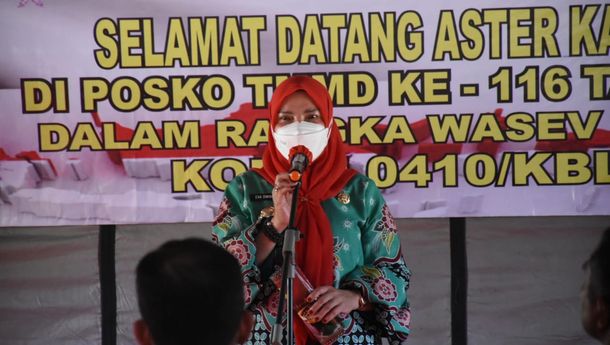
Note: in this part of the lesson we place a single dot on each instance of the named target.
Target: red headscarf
(324, 178)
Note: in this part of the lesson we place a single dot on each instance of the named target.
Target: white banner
(131, 112)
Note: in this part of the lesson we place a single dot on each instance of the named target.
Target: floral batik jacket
(367, 257)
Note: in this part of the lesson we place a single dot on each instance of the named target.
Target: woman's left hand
(332, 302)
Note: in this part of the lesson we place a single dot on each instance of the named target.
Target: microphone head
(299, 149)
(300, 156)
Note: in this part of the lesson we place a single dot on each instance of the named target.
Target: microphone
(299, 158)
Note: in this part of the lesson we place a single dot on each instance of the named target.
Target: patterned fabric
(367, 257)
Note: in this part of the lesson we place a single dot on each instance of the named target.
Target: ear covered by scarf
(323, 179)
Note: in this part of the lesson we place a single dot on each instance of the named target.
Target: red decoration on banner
(4, 156)
(248, 115)
(421, 130)
(34, 156)
(436, 152)
(489, 146)
(600, 138)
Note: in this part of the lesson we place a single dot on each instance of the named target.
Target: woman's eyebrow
(287, 112)
(312, 110)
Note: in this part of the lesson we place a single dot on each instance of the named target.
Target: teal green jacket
(367, 253)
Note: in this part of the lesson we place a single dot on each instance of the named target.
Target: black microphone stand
(291, 236)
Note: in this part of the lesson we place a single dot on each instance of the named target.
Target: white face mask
(311, 135)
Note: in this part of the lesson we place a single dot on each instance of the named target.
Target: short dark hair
(190, 292)
(599, 265)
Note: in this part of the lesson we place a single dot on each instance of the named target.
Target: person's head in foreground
(595, 292)
(190, 292)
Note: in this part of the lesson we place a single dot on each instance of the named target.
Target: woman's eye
(316, 118)
(285, 118)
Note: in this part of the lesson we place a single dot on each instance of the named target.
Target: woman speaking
(349, 249)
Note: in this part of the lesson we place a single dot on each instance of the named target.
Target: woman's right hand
(282, 199)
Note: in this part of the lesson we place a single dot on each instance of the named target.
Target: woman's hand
(332, 302)
(282, 199)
